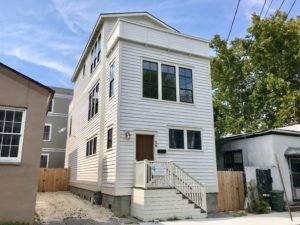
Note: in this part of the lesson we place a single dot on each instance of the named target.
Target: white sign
(158, 169)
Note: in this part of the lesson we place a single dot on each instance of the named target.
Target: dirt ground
(64, 207)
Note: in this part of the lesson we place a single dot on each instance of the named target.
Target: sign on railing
(158, 169)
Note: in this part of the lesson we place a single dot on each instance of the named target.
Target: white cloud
(39, 59)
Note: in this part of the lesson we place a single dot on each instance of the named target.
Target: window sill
(92, 118)
(90, 156)
(168, 102)
(10, 162)
(95, 68)
(184, 150)
(111, 98)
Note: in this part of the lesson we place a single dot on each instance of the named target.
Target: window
(70, 127)
(168, 77)
(93, 102)
(233, 160)
(95, 53)
(50, 109)
(186, 85)
(112, 80)
(44, 161)
(91, 146)
(176, 138)
(83, 70)
(194, 139)
(150, 80)
(109, 138)
(47, 132)
(11, 134)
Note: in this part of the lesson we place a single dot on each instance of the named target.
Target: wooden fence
(231, 194)
(51, 180)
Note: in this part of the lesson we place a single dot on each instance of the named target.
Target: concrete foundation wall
(212, 202)
(119, 205)
(92, 196)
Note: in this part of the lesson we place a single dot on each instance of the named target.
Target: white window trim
(50, 131)
(92, 139)
(114, 75)
(16, 159)
(176, 65)
(185, 129)
(52, 108)
(46, 154)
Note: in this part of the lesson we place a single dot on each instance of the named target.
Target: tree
(256, 79)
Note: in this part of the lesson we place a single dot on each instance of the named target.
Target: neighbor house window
(11, 134)
(186, 85)
(150, 80)
(91, 146)
(109, 138)
(50, 108)
(194, 139)
(168, 77)
(70, 127)
(112, 80)
(176, 138)
(233, 160)
(93, 102)
(44, 161)
(47, 132)
(95, 53)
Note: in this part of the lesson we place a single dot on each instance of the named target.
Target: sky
(44, 39)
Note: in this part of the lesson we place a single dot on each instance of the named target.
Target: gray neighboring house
(256, 151)
(55, 130)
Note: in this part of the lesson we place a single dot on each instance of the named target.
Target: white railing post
(145, 173)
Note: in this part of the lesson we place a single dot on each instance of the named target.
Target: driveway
(266, 219)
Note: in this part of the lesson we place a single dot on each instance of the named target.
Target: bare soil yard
(63, 206)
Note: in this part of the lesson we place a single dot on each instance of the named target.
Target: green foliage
(257, 204)
(256, 79)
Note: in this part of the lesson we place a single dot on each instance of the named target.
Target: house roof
(29, 79)
(288, 131)
(98, 24)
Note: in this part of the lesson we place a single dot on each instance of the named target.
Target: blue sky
(44, 39)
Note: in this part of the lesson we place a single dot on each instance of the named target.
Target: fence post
(145, 173)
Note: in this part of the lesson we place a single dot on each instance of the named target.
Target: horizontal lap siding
(154, 115)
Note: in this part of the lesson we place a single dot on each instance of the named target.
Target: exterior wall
(58, 119)
(141, 115)
(19, 181)
(260, 152)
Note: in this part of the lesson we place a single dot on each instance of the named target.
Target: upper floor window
(109, 138)
(83, 70)
(12, 123)
(91, 146)
(168, 77)
(93, 102)
(186, 85)
(150, 80)
(112, 80)
(51, 106)
(95, 53)
(47, 132)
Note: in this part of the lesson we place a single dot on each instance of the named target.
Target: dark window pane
(168, 83)
(18, 116)
(194, 139)
(87, 148)
(4, 151)
(150, 80)
(109, 138)
(186, 85)
(44, 159)
(6, 139)
(1, 126)
(2, 115)
(95, 146)
(295, 165)
(176, 139)
(17, 128)
(15, 140)
(9, 116)
(91, 147)
(8, 127)
(14, 151)
(46, 133)
(296, 180)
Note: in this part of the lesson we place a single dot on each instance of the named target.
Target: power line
(268, 8)
(262, 9)
(281, 4)
(291, 8)
(237, 7)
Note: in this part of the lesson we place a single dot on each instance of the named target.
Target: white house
(259, 151)
(141, 120)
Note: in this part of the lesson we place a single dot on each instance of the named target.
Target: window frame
(112, 74)
(91, 105)
(158, 77)
(162, 84)
(109, 140)
(22, 132)
(47, 155)
(95, 54)
(50, 131)
(185, 136)
(90, 146)
(176, 129)
(185, 89)
(52, 106)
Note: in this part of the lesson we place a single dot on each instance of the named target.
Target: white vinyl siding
(152, 115)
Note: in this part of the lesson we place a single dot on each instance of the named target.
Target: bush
(256, 204)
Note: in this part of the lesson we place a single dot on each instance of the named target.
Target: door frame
(291, 178)
(45, 154)
(146, 132)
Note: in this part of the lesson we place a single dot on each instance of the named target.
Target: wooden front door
(144, 147)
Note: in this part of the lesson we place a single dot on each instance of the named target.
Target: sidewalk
(265, 219)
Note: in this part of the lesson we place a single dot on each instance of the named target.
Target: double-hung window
(95, 53)
(186, 85)
(109, 138)
(91, 146)
(11, 134)
(185, 139)
(168, 77)
(150, 80)
(93, 102)
(112, 80)
(47, 132)
(51, 106)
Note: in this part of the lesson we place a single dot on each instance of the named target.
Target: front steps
(162, 204)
